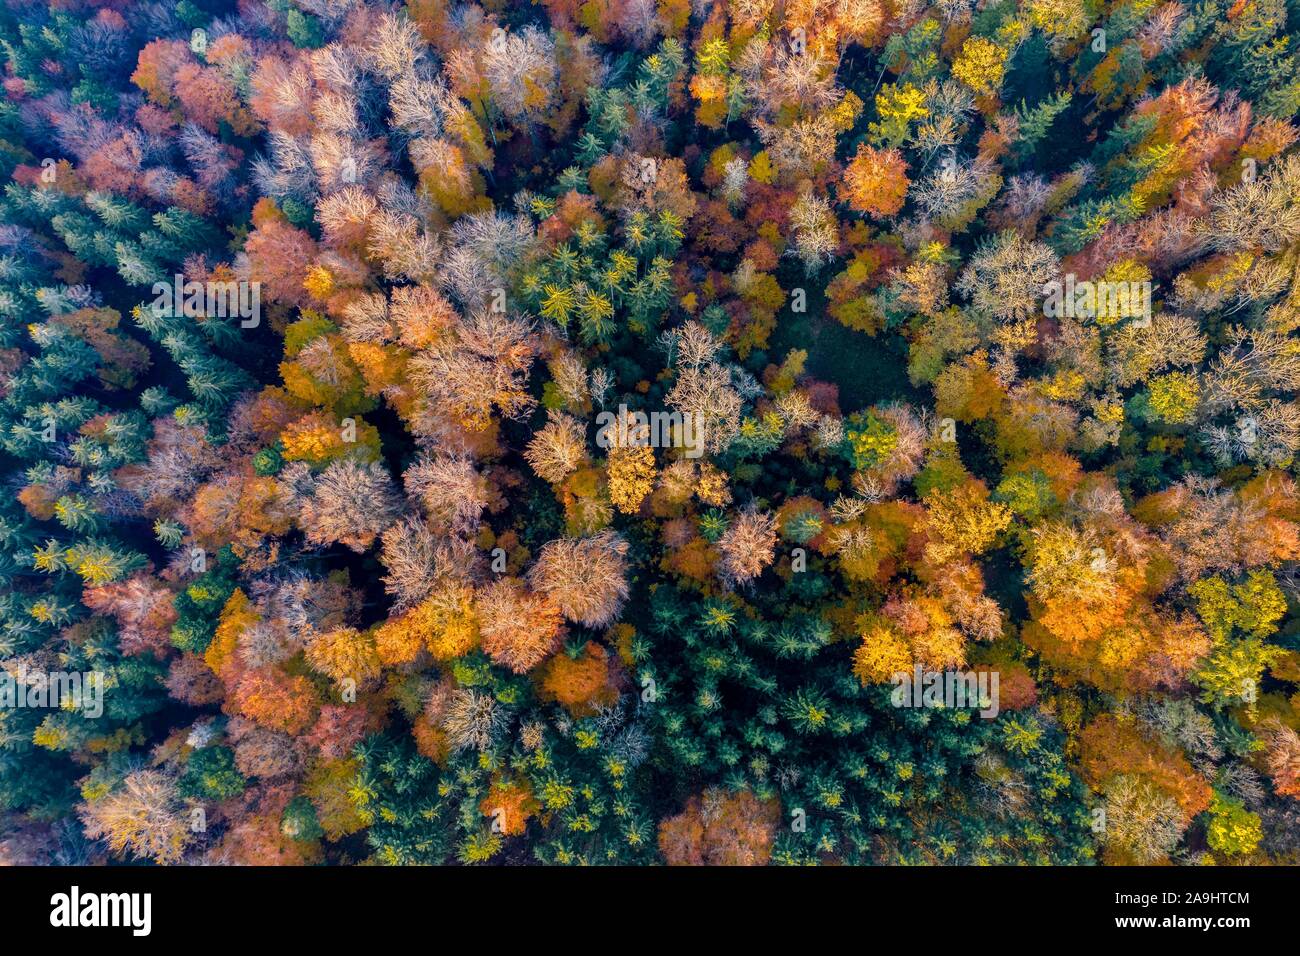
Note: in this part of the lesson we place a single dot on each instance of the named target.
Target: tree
(275, 700)
(981, 65)
(1283, 759)
(210, 774)
(747, 546)
(351, 503)
(520, 628)
(1109, 747)
(1007, 275)
(558, 448)
(1233, 830)
(631, 470)
(279, 256)
(521, 71)
(586, 578)
(720, 829)
(604, 657)
(1143, 824)
(144, 611)
(142, 816)
(875, 181)
(484, 366)
(473, 720)
(344, 654)
(963, 520)
(704, 391)
(415, 559)
(584, 684)
(1259, 215)
(452, 491)
(815, 231)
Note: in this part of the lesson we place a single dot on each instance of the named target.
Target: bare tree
(747, 547)
(1006, 276)
(352, 502)
(585, 577)
(557, 449)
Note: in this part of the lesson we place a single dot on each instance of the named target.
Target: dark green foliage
(210, 774)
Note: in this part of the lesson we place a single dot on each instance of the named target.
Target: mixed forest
(362, 585)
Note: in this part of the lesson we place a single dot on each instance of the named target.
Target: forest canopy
(706, 432)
